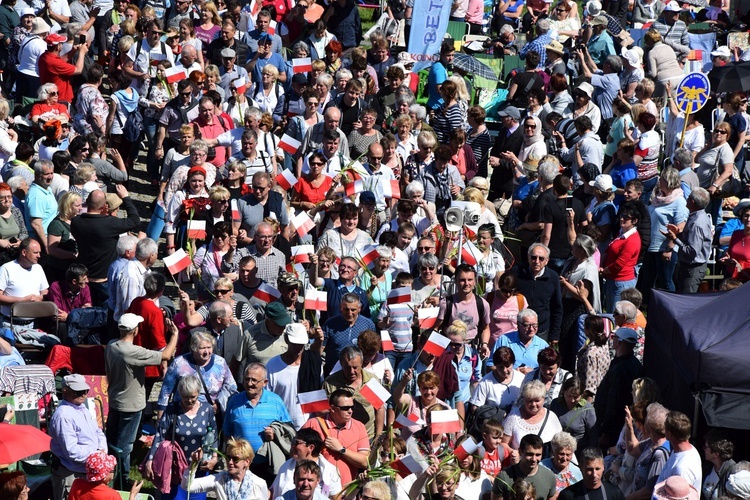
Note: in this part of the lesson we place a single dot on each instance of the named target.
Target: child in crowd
(494, 451)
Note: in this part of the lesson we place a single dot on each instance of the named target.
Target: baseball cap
(367, 197)
(75, 382)
(28, 12)
(276, 312)
(288, 279)
(300, 78)
(129, 321)
(603, 182)
(673, 7)
(227, 52)
(113, 201)
(296, 334)
(265, 38)
(600, 21)
(55, 38)
(627, 335)
(512, 112)
(722, 51)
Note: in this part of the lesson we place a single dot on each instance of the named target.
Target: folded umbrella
(473, 66)
(730, 78)
(21, 441)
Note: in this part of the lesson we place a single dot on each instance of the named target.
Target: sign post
(691, 95)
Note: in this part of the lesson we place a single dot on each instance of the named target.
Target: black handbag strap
(205, 387)
(541, 429)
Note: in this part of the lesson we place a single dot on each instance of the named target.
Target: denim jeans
(396, 357)
(612, 290)
(154, 165)
(122, 429)
(99, 294)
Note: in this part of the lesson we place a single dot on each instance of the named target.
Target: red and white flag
(289, 144)
(240, 84)
(392, 190)
(314, 401)
(196, 229)
(444, 422)
(316, 300)
(427, 317)
(286, 179)
(302, 224)
(371, 254)
(175, 74)
(407, 465)
(399, 295)
(301, 65)
(301, 253)
(235, 210)
(436, 344)
(385, 341)
(355, 187)
(409, 421)
(468, 447)
(266, 293)
(272, 27)
(470, 254)
(178, 261)
(374, 392)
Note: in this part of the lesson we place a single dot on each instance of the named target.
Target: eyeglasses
(345, 408)
(317, 163)
(626, 217)
(312, 103)
(529, 125)
(81, 393)
(260, 188)
(252, 381)
(222, 292)
(221, 236)
(84, 149)
(53, 92)
(234, 459)
(532, 326)
(537, 257)
(509, 292)
(324, 262)
(428, 268)
(298, 442)
(426, 249)
(222, 201)
(719, 131)
(456, 345)
(186, 94)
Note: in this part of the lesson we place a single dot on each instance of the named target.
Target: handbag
(169, 462)
(733, 185)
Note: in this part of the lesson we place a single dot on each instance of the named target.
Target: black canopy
(698, 346)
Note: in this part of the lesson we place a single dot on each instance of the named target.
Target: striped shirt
(446, 120)
(401, 317)
(339, 334)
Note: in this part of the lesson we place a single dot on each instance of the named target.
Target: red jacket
(622, 257)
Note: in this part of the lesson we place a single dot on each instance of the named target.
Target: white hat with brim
(296, 333)
(738, 484)
(129, 321)
(39, 27)
(673, 7)
(634, 56)
(603, 182)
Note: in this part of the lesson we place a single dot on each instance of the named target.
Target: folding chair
(33, 310)
(457, 30)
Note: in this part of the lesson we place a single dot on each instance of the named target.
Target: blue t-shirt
(438, 74)
(525, 356)
(621, 174)
(674, 213)
(275, 59)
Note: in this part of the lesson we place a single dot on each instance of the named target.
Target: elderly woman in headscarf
(533, 144)
(632, 72)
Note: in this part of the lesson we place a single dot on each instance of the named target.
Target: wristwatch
(342, 451)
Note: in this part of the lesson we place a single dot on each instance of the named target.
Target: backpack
(480, 312)
(133, 126)
(476, 420)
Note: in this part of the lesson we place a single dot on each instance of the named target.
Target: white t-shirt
(15, 281)
(491, 392)
(282, 380)
(474, 488)
(141, 60)
(31, 48)
(516, 427)
(61, 8)
(710, 485)
(686, 464)
(330, 480)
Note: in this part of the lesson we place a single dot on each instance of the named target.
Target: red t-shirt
(54, 69)
(151, 334)
(83, 490)
(48, 111)
(622, 256)
(492, 463)
(311, 194)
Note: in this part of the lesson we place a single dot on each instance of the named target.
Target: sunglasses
(345, 408)
(428, 268)
(234, 459)
(221, 292)
(509, 292)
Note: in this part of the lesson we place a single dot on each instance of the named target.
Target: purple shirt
(65, 300)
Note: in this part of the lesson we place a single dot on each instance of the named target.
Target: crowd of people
(340, 226)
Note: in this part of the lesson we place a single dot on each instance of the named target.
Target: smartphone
(81, 39)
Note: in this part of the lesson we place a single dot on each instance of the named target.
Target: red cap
(54, 38)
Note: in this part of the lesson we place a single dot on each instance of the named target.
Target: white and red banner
(468, 447)
(303, 224)
(286, 179)
(235, 211)
(301, 253)
(178, 261)
(355, 187)
(175, 74)
(391, 189)
(407, 465)
(272, 27)
(399, 295)
(316, 300)
(444, 422)
(240, 84)
(436, 344)
(314, 401)
(289, 144)
(385, 341)
(371, 255)
(427, 317)
(374, 392)
(301, 65)
(470, 254)
(410, 421)
(196, 229)
(266, 293)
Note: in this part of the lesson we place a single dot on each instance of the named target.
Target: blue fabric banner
(429, 23)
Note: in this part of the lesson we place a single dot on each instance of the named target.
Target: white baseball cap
(129, 321)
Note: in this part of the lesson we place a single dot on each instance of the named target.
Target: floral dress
(216, 374)
(88, 103)
(154, 93)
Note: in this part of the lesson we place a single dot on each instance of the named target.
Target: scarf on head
(659, 200)
(529, 140)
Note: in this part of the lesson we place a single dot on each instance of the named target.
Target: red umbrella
(21, 441)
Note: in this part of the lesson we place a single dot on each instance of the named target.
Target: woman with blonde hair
(474, 482)
(661, 61)
(235, 180)
(210, 23)
(62, 248)
(529, 416)
(464, 97)
(444, 483)
(269, 96)
(212, 81)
